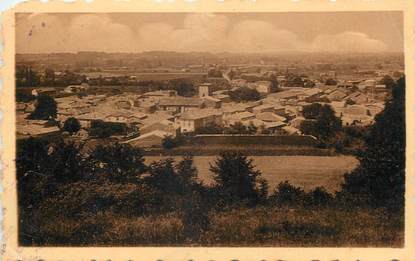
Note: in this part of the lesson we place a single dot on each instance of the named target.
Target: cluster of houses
(163, 113)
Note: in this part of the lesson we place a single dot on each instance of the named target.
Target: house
(160, 94)
(239, 117)
(164, 125)
(180, 104)
(204, 90)
(280, 110)
(45, 90)
(222, 97)
(297, 121)
(211, 102)
(35, 128)
(270, 117)
(76, 88)
(147, 106)
(190, 121)
(336, 95)
(263, 87)
(148, 140)
(263, 108)
(291, 130)
(238, 83)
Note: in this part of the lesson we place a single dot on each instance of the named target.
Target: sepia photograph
(210, 129)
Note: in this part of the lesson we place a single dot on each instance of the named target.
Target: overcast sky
(218, 32)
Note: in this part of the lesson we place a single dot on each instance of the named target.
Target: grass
(307, 172)
(260, 226)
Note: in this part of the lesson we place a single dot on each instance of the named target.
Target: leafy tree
(183, 87)
(187, 173)
(121, 162)
(31, 165)
(169, 142)
(331, 81)
(236, 178)
(294, 81)
(312, 111)
(240, 128)
(319, 197)
(71, 125)
(325, 125)
(244, 94)
(380, 178)
(66, 162)
(103, 129)
(45, 108)
(210, 128)
(287, 194)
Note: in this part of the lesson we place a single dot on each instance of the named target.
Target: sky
(339, 32)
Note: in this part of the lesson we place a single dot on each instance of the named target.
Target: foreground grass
(261, 226)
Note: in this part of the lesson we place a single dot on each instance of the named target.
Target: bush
(236, 178)
(287, 194)
(121, 162)
(45, 108)
(170, 142)
(103, 129)
(71, 125)
(244, 94)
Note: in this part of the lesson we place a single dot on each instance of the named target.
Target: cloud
(91, 32)
(259, 36)
(39, 33)
(347, 42)
(197, 32)
(86, 32)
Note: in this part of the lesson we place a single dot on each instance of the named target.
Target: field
(156, 76)
(305, 171)
(261, 226)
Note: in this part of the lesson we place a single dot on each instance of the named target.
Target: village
(146, 119)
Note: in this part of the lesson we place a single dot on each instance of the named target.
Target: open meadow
(307, 172)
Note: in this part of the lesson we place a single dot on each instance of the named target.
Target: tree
(294, 81)
(103, 129)
(274, 83)
(325, 124)
(287, 194)
(121, 162)
(71, 125)
(240, 128)
(244, 94)
(312, 111)
(183, 87)
(45, 108)
(236, 178)
(169, 142)
(210, 128)
(331, 81)
(388, 81)
(187, 173)
(380, 178)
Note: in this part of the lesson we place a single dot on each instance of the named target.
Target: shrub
(45, 108)
(71, 125)
(236, 178)
(287, 194)
(103, 129)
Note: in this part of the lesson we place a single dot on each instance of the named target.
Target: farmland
(307, 172)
